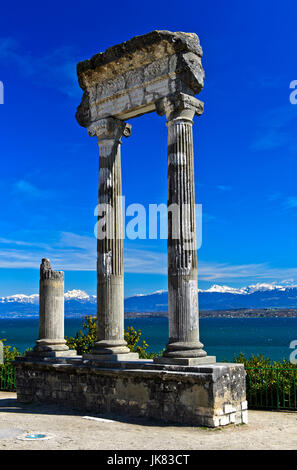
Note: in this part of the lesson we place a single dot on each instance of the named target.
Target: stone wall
(209, 395)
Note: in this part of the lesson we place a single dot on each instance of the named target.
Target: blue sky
(245, 143)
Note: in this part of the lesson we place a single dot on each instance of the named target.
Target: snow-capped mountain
(221, 297)
(20, 298)
(224, 289)
(217, 297)
(78, 295)
(77, 302)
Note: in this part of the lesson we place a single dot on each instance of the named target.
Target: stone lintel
(139, 50)
(127, 80)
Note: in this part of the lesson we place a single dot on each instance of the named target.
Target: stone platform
(206, 395)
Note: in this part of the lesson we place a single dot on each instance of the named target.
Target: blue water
(222, 337)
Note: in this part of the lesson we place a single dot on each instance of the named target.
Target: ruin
(160, 71)
(51, 341)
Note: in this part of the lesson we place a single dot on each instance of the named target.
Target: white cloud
(223, 187)
(145, 261)
(71, 251)
(273, 129)
(26, 188)
(57, 68)
(284, 202)
(254, 272)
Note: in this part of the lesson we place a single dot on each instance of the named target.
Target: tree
(85, 339)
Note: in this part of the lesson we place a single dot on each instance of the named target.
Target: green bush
(9, 352)
(7, 370)
(85, 339)
(270, 384)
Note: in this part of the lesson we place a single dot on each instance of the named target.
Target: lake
(222, 337)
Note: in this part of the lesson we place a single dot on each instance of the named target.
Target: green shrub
(85, 339)
(270, 384)
(9, 352)
(7, 370)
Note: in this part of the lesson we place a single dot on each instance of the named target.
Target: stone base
(206, 395)
(111, 357)
(185, 361)
(44, 354)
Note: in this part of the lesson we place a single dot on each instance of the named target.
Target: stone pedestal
(110, 345)
(208, 395)
(51, 341)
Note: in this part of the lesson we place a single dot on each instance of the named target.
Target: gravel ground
(70, 431)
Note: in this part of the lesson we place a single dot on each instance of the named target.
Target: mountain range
(217, 297)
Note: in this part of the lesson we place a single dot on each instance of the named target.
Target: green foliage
(270, 384)
(9, 352)
(133, 337)
(254, 361)
(7, 377)
(84, 340)
(7, 370)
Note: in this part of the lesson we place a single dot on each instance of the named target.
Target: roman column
(51, 341)
(184, 346)
(110, 278)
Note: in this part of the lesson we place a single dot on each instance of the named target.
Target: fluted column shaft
(182, 252)
(51, 307)
(51, 341)
(182, 255)
(110, 278)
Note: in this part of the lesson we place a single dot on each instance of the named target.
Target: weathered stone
(51, 341)
(110, 275)
(184, 361)
(125, 355)
(184, 346)
(128, 79)
(199, 396)
(244, 405)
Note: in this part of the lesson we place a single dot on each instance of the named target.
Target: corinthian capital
(109, 128)
(179, 106)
